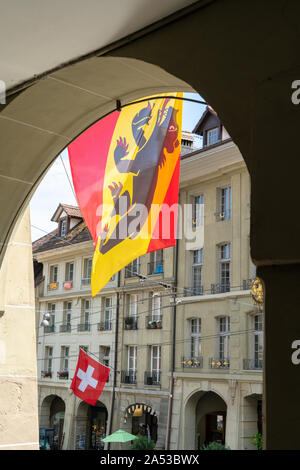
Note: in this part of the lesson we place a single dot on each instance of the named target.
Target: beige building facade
(178, 327)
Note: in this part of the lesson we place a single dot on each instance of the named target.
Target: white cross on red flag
(89, 378)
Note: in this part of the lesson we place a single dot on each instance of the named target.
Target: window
(105, 355)
(48, 358)
(69, 274)
(195, 331)
(155, 363)
(53, 273)
(197, 272)
(156, 262)
(87, 269)
(85, 315)
(224, 267)
(258, 341)
(133, 299)
(156, 307)
(224, 203)
(51, 310)
(63, 228)
(107, 318)
(67, 316)
(65, 358)
(132, 268)
(224, 335)
(132, 361)
(198, 210)
(212, 136)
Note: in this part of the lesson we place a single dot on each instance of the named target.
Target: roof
(71, 211)
(208, 110)
(78, 234)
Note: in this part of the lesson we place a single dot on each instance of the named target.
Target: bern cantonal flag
(125, 170)
(89, 378)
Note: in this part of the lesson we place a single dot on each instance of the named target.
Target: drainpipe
(173, 354)
(116, 360)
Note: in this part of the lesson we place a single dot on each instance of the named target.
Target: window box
(63, 374)
(46, 373)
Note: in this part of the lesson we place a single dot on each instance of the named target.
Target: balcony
(131, 272)
(128, 377)
(223, 215)
(252, 364)
(49, 329)
(220, 288)
(105, 325)
(218, 363)
(195, 290)
(63, 374)
(130, 323)
(154, 322)
(85, 282)
(155, 267)
(152, 377)
(83, 327)
(52, 286)
(66, 328)
(192, 362)
(46, 374)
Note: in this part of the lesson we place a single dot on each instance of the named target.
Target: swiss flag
(89, 378)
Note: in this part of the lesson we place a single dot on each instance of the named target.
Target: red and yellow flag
(125, 171)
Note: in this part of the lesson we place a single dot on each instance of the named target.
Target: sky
(55, 187)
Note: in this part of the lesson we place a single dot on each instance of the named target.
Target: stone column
(281, 412)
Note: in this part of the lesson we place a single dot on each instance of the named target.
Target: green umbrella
(119, 436)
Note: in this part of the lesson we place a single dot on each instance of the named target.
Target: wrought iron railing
(83, 327)
(195, 290)
(192, 362)
(66, 328)
(46, 374)
(154, 322)
(53, 286)
(128, 377)
(105, 325)
(152, 377)
(85, 281)
(219, 363)
(252, 364)
(130, 323)
(220, 288)
(49, 329)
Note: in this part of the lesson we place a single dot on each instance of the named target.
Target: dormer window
(63, 228)
(212, 136)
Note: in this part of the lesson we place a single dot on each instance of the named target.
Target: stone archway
(52, 416)
(204, 420)
(90, 426)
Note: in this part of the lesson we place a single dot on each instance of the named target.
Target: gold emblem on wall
(257, 291)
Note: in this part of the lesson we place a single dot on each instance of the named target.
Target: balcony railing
(130, 323)
(219, 363)
(195, 290)
(155, 267)
(247, 284)
(192, 362)
(131, 271)
(85, 281)
(252, 364)
(63, 374)
(220, 288)
(49, 329)
(46, 374)
(105, 325)
(53, 286)
(223, 215)
(152, 377)
(66, 328)
(83, 327)
(68, 285)
(128, 377)
(154, 322)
